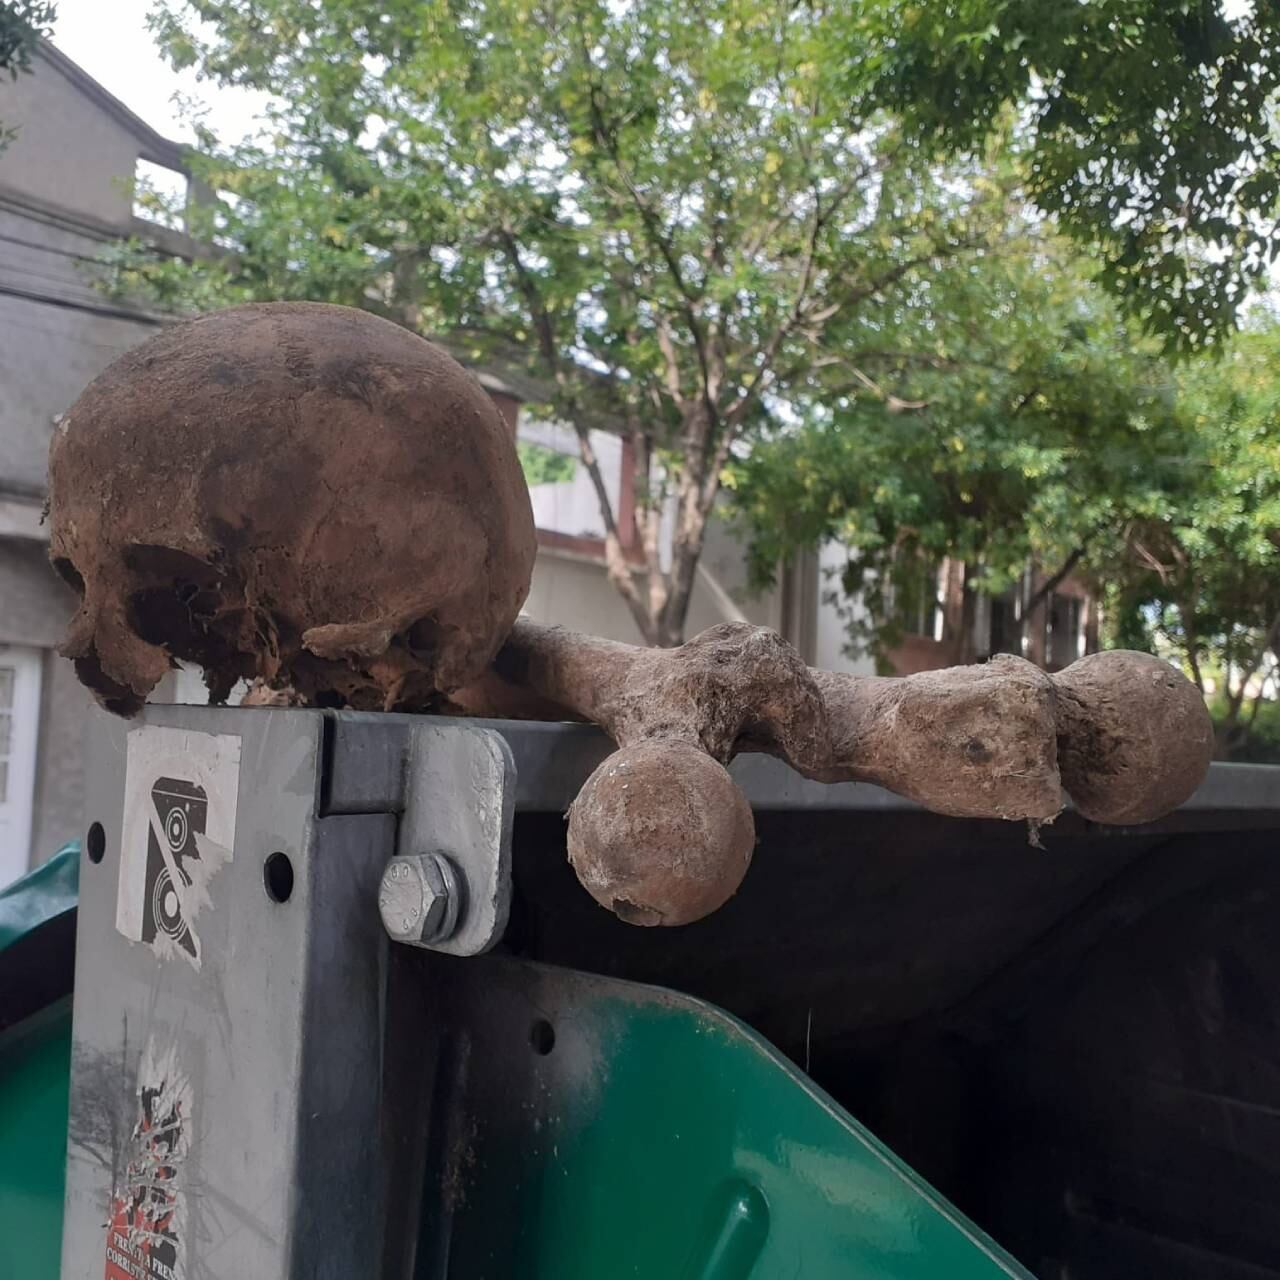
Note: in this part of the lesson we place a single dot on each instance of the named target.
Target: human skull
(295, 492)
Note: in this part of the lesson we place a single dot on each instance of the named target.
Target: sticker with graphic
(179, 827)
(148, 1213)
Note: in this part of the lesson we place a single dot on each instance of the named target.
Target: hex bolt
(419, 899)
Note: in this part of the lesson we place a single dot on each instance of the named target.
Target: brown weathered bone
(660, 833)
(1134, 736)
(660, 840)
(296, 492)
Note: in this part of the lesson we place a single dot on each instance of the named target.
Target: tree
(661, 211)
(1050, 434)
(22, 23)
(1028, 424)
(1199, 578)
(1150, 129)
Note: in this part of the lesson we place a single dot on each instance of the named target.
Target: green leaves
(1039, 425)
(1148, 130)
(22, 23)
(544, 466)
(649, 206)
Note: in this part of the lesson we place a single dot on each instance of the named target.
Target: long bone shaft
(661, 834)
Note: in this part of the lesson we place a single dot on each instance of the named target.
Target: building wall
(573, 590)
(68, 150)
(833, 616)
(1082, 640)
(64, 194)
(49, 351)
(34, 608)
(570, 585)
(721, 592)
(570, 507)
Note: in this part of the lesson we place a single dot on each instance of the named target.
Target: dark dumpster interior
(1079, 1046)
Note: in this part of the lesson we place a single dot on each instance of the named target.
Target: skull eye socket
(174, 595)
(424, 638)
(168, 565)
(166, 584)
(185, 605)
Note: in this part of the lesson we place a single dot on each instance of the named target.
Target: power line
(69, 304)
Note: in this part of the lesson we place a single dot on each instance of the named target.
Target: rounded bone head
(294, 492)
(660, 833)
(1134, 736)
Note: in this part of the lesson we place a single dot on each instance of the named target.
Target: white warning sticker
(179, 827)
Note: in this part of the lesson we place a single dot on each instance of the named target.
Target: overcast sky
(110, 40)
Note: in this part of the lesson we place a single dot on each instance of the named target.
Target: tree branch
(895, 404)
(666, 344)
(1052, 583)
(650, 523)
(616, 564)
(541, 317)
(768, 353)
(648, 218)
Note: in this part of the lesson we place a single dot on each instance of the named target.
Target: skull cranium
(296, 492)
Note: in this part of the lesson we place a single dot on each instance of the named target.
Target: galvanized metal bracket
(459, 801)
(452, 784)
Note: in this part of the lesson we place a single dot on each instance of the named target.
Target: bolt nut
(419, 899)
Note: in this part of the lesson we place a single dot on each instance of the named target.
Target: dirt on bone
(1134, 736)
(294, 493)
(729, 682)
(660, 834)
(1126, 735)
(975, 741)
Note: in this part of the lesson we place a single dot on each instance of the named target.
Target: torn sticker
(179, 829)
(148, 1213)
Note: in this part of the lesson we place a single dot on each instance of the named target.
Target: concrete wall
(721, 592)
(49, 350)
(574, 591)
(68, 150)
(571, 507)
(831, 625)
(34, 608)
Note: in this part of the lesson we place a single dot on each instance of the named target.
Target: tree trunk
(1228, 736)
(617, 564)
(965, 649)
(695, 496)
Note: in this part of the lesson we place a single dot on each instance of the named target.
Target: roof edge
(155, 147)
